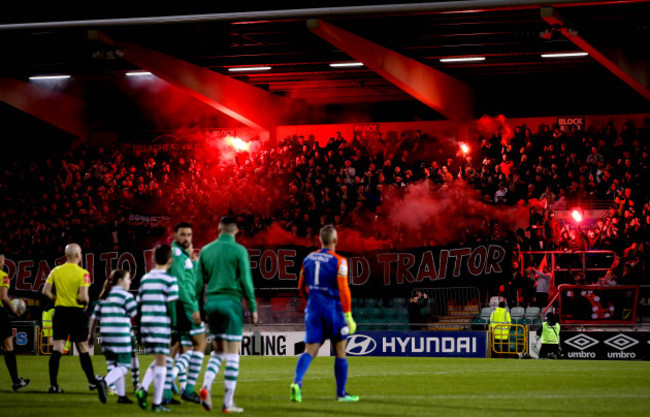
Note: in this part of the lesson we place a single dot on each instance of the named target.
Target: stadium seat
(375, 311)
(373, 302)
(516, 336)
(478, 324)
(369, 313)
(523, 322)
(486, 312)
(386, 320)
(517, 313)
(399, 302)
(396, 312)
(532, 313)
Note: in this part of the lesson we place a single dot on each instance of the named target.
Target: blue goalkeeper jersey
(324, 277)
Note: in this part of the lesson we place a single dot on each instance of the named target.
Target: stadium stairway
(459, 317)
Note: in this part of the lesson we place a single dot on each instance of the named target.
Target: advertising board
(25, 336)
(277, 344)
(424, 344)
(606, 345)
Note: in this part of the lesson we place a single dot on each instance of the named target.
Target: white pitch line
(509, 396)
(350, 375)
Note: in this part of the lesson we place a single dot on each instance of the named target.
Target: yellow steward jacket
(500, 316)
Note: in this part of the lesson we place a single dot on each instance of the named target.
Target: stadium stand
(107, 198)
(532, 313)
(517, 313)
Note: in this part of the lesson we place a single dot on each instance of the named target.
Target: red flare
(576, 216)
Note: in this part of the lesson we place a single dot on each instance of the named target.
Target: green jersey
(223, 265)
(183, 269)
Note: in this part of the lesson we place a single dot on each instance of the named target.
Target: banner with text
(277, 344)
(565, 122)
(371, 273)
(426, 344)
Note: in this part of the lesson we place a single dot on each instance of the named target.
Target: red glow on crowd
(464, 148)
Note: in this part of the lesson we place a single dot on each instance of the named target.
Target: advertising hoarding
(422, 344)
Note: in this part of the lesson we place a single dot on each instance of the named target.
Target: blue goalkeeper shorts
(325, 322)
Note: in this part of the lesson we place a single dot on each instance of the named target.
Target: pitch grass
(387, 386)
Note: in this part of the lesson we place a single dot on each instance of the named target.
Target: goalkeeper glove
(350, 322)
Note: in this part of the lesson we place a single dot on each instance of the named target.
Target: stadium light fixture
(565, 55)
(346, 64)
(464, 59)
(138, 74)
(49, 77)
(246, 69)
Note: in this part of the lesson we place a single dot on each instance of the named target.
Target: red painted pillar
(250, 105)
(65, 112)
(448, 96)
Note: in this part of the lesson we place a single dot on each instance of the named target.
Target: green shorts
(186, 324)
(195, 329)
(118, 359)
(225, 318)
(186, 340)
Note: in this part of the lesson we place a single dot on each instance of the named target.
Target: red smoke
(422, 214)
(490, 126)
(276, 235)
(169, 107)
(349, 240)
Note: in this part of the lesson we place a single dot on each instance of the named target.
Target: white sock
(109, 368)
(182, 361)
(120, 385)
(196, 363)
(116, 373)
(212, 370)
(180, 369)
(148, 377)
(159, 384)
(230, 375)
(168, 375)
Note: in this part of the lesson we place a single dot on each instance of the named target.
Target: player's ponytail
(111, 281)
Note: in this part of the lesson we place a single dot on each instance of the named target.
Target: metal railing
(441, 298)
(559, 259)
(515, 342)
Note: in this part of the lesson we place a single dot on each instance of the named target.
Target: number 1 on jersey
(316, 272)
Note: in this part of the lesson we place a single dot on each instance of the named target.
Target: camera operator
(416, 304)
(550, 338)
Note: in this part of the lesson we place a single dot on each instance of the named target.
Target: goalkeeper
(324, 279)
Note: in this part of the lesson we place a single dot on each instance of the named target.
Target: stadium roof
(299, 44)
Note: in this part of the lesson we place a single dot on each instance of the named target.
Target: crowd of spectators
(111, 198)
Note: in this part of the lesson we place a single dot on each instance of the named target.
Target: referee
(67, 286)
(6, 334)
